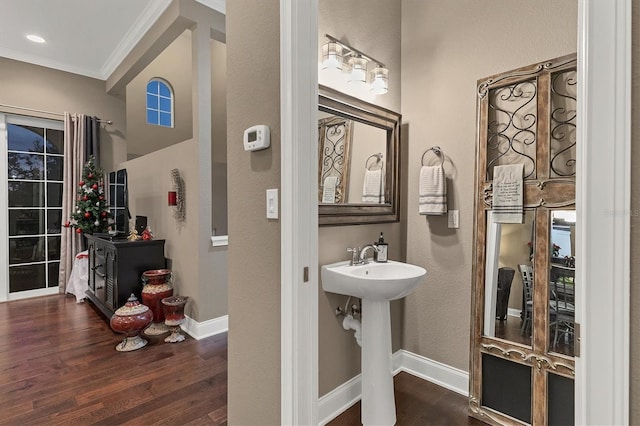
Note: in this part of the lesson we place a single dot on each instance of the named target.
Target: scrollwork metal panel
(334, 134)
(511, 129)
(563, 124)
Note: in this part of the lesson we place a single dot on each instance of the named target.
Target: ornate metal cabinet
(522, 368)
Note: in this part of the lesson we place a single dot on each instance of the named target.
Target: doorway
(32, 174)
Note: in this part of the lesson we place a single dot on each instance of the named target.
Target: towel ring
(378, 159)
(437, 151)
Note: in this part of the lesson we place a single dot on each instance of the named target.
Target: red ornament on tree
(67, 224)
(103, 214)
(79, 231)
(81, 183)
(100, 198)
(85, 198)
(94, 186)
(87, 215)
(90, 175)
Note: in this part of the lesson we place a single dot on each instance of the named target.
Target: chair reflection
(527, 312)
(562, 305)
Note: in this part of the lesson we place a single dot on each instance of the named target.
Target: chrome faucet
(359, 256)
(363, 253)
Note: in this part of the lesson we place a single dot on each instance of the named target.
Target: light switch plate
(453, 217)
(272, 203)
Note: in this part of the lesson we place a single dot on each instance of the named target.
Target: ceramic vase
(130, 320)
(157, 287)
(174, 316)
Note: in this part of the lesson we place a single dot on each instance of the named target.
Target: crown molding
(146, 19)
(48, 63)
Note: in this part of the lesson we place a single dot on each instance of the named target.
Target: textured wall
(635, 219)
(372, 26)
(446, 47)
(253, 84)
(149, 179)
(174, 66)
(47, 89)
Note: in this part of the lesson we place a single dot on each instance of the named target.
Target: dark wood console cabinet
(116, 267)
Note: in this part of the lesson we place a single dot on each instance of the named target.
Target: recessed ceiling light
(35, 38)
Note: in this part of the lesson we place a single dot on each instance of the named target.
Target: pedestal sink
(376, 284)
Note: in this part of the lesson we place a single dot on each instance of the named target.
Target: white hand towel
(373, 187)
(432, 191)
(507, 193)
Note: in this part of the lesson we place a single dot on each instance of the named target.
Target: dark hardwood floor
(59, 366)
(418, 402)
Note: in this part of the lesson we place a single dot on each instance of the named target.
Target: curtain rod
(47, 112)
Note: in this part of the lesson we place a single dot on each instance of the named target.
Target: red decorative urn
(174, 316)
(156, 288)
(130, 319)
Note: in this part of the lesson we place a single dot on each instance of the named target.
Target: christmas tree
(91, 213)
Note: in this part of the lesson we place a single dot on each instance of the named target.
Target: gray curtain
(75, 154)
(92, 138)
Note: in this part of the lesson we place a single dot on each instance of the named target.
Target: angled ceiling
(84, 37)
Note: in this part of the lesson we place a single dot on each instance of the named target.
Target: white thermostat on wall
(256, 138)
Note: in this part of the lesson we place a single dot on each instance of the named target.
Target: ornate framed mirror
(358, 162)
(523, 335)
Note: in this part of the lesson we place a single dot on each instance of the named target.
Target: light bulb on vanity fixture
(357, 71)
(337, 54)
(379, 80)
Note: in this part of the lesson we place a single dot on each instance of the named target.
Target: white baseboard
(344, 396)
(200, 330)
(435, 372)
(339, 400)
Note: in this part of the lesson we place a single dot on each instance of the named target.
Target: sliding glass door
(31, 189)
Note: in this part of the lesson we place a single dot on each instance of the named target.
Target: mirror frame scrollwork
(342, 105)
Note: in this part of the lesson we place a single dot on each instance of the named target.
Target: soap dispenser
(381, 254)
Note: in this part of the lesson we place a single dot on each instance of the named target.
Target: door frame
(7, 118)
(603, 211)
(602, 204)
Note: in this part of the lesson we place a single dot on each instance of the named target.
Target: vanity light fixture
(334, 55)
(357, 70)
(379, 80)
(35, 38)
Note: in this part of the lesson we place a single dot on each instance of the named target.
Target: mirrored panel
(358, 147)
(509, 279)
(562, 311)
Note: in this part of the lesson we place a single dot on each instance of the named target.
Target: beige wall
(372, 26)
(149, 179)
(174, 66)
(33, 86)
(446, 47)
(219, 137)
(635, 219)
(253, 82)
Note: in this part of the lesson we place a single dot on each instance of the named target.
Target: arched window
(159, 103)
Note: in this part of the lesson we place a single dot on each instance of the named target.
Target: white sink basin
(375, 281)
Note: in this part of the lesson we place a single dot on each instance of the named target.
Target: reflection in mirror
(562, 310)
(118, 200)
(358, 170)
(351, 161)
(509, 279)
